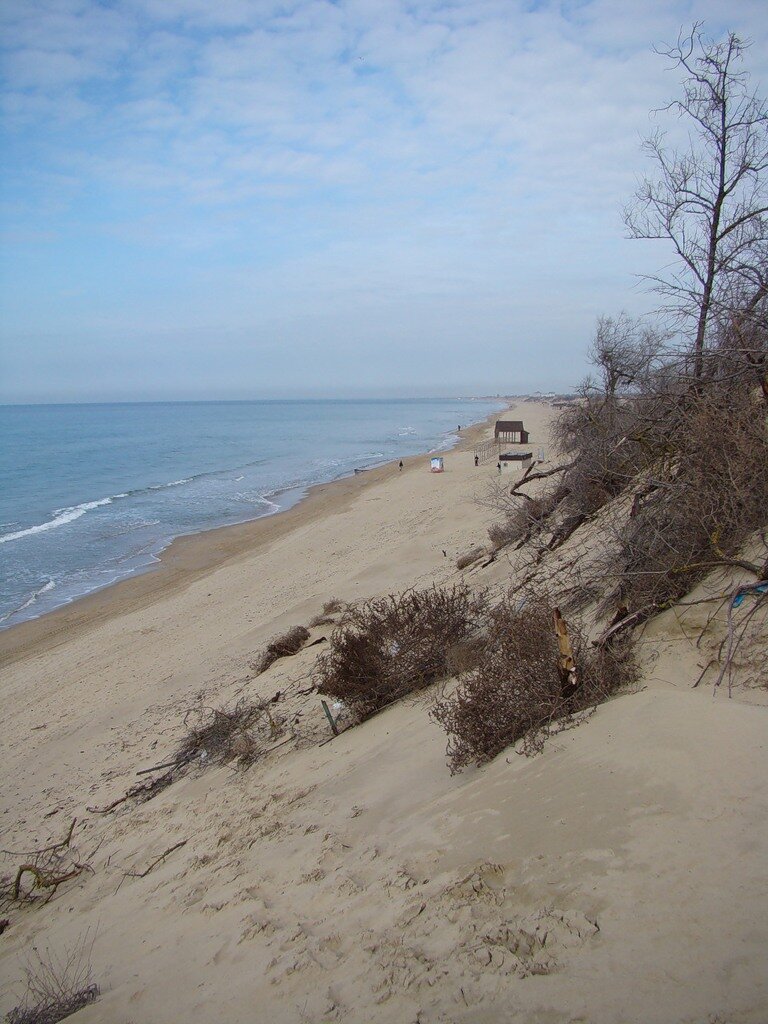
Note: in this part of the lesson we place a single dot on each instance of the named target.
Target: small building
(510, 432)
(436, 465)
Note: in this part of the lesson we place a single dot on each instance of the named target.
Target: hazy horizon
(298, 397)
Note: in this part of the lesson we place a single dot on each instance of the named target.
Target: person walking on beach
(498, 466)
(477, 461)
(401, 465)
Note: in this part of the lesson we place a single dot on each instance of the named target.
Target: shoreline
(358, 879)
(190, 557)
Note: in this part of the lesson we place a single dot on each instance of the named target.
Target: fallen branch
(176, 763)
(146, 790)
(628, 622)
(731, 563)
(528, 477)
(43, 879)
(145, 872)
(62, 844)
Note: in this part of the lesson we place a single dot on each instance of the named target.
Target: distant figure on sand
(498, 466)
(477, 460)
(401, 465)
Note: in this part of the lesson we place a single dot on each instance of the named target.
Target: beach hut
(510, 432)
(436, 464)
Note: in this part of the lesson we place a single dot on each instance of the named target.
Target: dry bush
(389, 647)
(515, 692)
(223, 736)
(282, 647)
(57, 985)
(469, 557)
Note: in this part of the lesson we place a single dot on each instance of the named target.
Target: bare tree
(624, 351)
(710, 200)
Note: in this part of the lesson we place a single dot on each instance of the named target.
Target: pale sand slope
(619, 876)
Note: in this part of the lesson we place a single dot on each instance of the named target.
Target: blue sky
(253, 198)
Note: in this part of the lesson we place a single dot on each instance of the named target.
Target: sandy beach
(619, 876)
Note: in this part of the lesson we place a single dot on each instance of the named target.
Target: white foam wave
(29, 600)
(172, 483)
(62, 516)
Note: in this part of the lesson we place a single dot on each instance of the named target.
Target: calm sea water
(90, 494)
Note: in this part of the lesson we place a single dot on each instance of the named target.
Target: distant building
(510, 432)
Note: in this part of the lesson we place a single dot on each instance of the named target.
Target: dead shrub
(221, 736)
(57, 985)
(515, 692)
(469, 557)
(391, 646)
(282, 647)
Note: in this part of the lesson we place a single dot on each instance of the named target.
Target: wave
(161, 487)
(29, 600)
(259, 499)
(62, 516)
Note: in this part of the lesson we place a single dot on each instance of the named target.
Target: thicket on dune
(676, 467)
(516, 690)
(388, 647)
(674, 422)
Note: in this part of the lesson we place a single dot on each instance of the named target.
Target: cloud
(374, 161)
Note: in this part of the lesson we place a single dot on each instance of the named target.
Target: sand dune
(618, 876)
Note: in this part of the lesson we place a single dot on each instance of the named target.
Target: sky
(252, 198)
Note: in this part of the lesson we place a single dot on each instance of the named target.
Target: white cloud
(409, 155)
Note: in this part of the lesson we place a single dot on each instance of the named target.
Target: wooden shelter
(510, 432)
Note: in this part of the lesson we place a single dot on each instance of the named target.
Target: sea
(91, 494)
